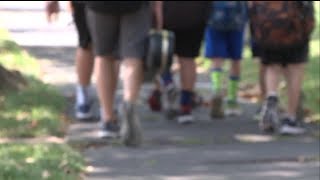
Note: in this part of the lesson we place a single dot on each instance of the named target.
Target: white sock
(82, 94)
(273, 94)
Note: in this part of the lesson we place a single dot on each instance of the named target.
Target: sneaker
(258, 114)
(197, 100)
(217, 107)
(84, 111)
(233, 108)
(84, 104)
(109, 129)
(185, 116)
(169, 100)
(131, 131)
(270, 116)
(290, 127)
(154, 101)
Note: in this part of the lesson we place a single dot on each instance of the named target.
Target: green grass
(41, 161)
(35, 111)
(311, 84)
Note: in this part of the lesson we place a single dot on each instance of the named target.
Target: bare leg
(273, 73)
(235, 68)
(132, 79)
(187, 73)
(106, 81)
(84, 65)
(262, 81)
(294, 79)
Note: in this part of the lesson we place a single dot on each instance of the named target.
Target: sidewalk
(229, 149)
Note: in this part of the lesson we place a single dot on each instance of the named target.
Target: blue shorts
(222, 44)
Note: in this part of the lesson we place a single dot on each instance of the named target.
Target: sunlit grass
(36, 111)
(41, 161)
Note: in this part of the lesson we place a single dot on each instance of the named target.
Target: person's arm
(158, 14)
(70, 7)
(52, 10)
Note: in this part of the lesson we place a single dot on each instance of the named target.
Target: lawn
(36, 111)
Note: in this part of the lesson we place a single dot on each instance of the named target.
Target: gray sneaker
(131, 131)
(269, 121)
(169, 100)
(217, 107)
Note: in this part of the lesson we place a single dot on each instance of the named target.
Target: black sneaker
(109, 129)
(290, 127)
(269, 115)
(84, 111)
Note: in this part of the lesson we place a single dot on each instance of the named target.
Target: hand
(52, 10)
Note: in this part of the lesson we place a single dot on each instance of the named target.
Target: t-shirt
(185, 14)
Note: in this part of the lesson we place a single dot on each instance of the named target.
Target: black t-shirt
(185, 14)
(115, 7)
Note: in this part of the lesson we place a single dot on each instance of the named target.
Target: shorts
(188, 42)
(293, 55)
(224, 44)
(79, 18)
(120, 36)
(255, 49)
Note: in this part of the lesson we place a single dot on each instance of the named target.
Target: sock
(186, 97)
(166, 77)
(272, 94)
(186, 101)
(82, 95)
(233, 88)
(216, 80)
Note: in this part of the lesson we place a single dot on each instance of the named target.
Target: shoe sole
(107, 135)
(287, 130)
(184, 120)
(84, 116)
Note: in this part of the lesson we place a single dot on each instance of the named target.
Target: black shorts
(79, 18)
(255, 49)
(294, 55)
(188, 42)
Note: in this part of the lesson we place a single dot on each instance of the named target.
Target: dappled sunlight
(279, 174)
(254, 138)
(91, 169)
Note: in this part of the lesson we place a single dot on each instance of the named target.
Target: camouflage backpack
(281, 24)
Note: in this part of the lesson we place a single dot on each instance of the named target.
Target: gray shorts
(120, 36)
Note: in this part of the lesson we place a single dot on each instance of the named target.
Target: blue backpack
(228, 15)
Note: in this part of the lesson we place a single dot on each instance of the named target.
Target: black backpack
(115, 7)
(159, 53)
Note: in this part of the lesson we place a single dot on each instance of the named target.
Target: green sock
(216, 79)
(233, 88)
